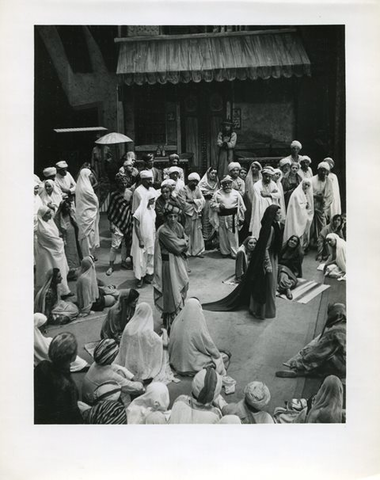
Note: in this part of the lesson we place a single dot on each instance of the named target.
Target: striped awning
(194, 58)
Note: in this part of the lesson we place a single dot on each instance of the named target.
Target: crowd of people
(265, 218)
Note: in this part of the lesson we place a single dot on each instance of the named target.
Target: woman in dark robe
(290, 266)
(290, 182)
(258, 287)
(119, 315)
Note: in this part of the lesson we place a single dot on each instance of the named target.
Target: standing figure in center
(266, 193)
(323, 197)
(226, 143)
(228, 214)
(195, 203)
(171, 280)
(237, 183)
(209, 184)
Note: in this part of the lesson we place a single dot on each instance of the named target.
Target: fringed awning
(192, 59)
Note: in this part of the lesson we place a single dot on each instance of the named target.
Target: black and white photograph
(203, 227)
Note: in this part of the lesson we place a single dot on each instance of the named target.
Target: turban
(226, 179)
(39, 319)
(258, 165)
(61, 164)
(146, 174)
(106, 351)
(148, 157)
(194, 176)
(106, 413)
(325, 165)
(285, 161)
(306, 159)
(168, 183)
(268, 170)
(63, 348)
(128, 162)
(232, 165)
(174, 156)
(107, 391)
(257, 395)
(49, 171)
(330, 161)
(206, 386)
(296, 143)
(174, 170)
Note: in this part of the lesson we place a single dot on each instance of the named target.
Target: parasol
(113, 138)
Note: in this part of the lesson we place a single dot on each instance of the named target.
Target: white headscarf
(194, 176)
(205, 185)
(155, 399)
(87, 284)
(48, 235)
(87, 205)
(250, 181)
(41, 343)
(55, 197)
(298, 217)
(340, 259)
(141, 349)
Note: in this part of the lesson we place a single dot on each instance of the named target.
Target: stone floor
(258, 347)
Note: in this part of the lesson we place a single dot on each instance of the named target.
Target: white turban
(296, 143)
(128, 162)
(325, 165)
(174, 170)
(330, 161)
(146, 174)
(226, 179)
(269, 170)
(285, 161)
(61, 164)
(194, 176)
(49, 171)
(233, 165)
(306, 159)
(168, 183)
(257, 395)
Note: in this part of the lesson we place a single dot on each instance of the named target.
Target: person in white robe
(194, 204)
(87, 213)
(143, 239)
(253, 176)
(173, 162)
(323, 197)
(336, 206)
(227, 207)
(335, 267)
(295, 148)
(143, 190)
(155, 399)
(64, 179)
(266, 193)
(300, 213)
(50, 250)
(305, 170)
(50, 195)
(174, 173)
(277, 177)
(42, 343)
(237, 183)
(37, 204)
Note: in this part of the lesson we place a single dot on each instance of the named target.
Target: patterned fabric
(106, 413)
(106, 351)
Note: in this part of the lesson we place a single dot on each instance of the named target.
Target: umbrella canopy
(113, 138)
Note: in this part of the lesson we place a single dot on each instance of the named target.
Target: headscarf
(87, 284)
(194, 176)
(156, 398)
(55, 197)
(292, 257)
(230, 419)
(190, 341)
(41, 343)
(119, 314)
(330, 161)
(40, 299)
(280, 188)
(325, 165)
(257, 395)
(146, 174)
(205, 184)
(206, 386)
(87, 204)
(328, 402)
(107, 412)
(48, 235)
(336, 313)
(141, 349)
(62, 164)
(250, 181)
(296, 143)
(233, 165)
(340, 251)
(106, 351)
(298, 217)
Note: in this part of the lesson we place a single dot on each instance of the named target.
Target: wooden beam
(203, 35)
